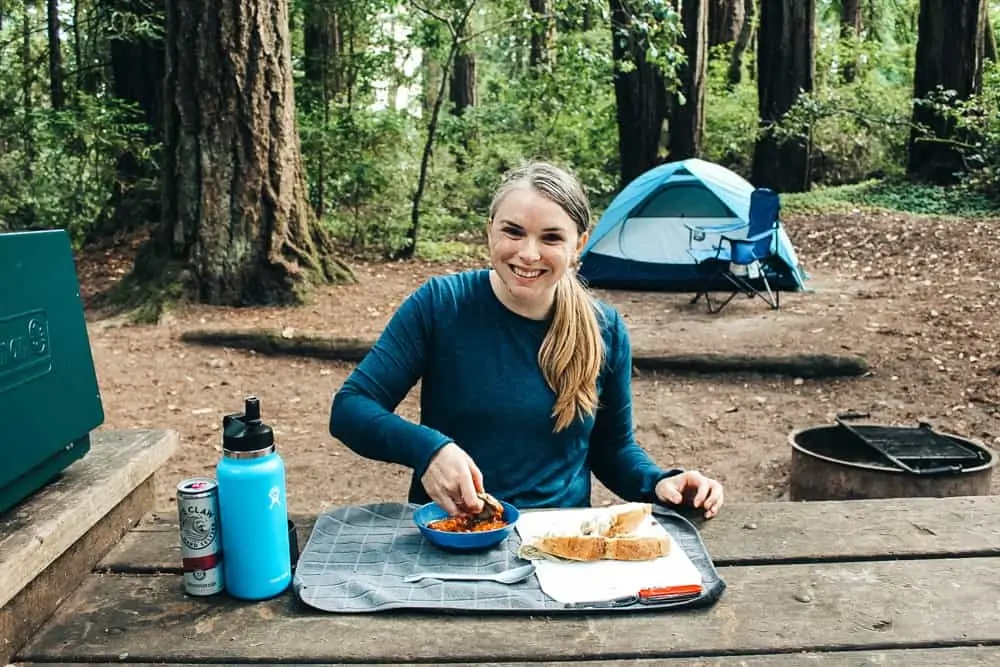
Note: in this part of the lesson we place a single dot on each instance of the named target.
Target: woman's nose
(529, 251)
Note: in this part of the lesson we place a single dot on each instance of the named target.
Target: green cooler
(49, 399)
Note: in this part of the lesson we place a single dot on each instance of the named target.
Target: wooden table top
(912, 582)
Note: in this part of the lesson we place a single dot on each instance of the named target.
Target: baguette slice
(617, 520)
(637, 548)
(595, 547)
(572, 547)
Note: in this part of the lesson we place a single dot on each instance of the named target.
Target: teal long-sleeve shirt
(482, 388)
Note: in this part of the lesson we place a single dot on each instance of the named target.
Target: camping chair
(743, 263)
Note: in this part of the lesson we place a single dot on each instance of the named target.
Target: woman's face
(533, 243)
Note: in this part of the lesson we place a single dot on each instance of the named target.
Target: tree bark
(543, 36)
(234, 207)
(137, 71)
(687, 122)
(640, 97)
(735, 73)
(725, 21)
(850, 29)
(56, 94)
(786, 60)
(950, 40)
(463, 80)
(989, 40)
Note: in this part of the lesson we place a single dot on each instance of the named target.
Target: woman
(525, 378)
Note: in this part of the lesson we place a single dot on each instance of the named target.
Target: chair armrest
(715, 229)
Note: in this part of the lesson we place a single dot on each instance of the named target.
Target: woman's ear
(582, 243)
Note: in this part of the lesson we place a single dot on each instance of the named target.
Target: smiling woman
(525, 377)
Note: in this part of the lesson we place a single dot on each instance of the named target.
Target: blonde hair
(572, 351)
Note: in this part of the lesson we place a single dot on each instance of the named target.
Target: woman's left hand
(694, 488)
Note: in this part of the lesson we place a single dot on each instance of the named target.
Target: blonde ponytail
(572, 353)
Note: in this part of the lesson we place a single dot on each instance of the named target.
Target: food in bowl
(485, 537)
(466, 524)
(491, 517)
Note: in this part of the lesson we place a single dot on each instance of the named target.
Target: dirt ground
(916, 297)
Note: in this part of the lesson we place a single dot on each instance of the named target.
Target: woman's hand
(452, 480)
(693, 488)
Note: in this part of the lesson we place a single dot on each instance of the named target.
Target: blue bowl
(463, 542)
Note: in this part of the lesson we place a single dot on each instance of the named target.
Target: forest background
(407, 111)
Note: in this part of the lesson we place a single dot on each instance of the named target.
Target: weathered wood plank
(37, 532)
(880, 605)
(21, 617)
(977, 656)
(745, 533)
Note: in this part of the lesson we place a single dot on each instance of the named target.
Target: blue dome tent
(642, 240)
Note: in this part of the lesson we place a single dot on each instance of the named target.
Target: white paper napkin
(571, 582)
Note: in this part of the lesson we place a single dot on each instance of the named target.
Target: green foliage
(731, 121)
(64, 174)
(976, 130)
(892, 195)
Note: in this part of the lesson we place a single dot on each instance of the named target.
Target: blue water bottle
(254, 515)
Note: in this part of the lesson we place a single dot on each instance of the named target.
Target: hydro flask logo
(25, 350)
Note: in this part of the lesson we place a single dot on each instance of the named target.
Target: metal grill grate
(919, 450)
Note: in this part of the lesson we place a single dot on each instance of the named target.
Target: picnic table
(909, 582)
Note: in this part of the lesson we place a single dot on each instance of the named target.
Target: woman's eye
(553, 238)
(513, 231)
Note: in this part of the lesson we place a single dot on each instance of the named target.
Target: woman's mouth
(526, 274)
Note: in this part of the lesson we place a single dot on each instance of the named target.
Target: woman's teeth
(521, 273)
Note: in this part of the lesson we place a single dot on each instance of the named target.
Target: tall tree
(850, 30)
(56, 94)
(785, 67)
(543, 35)
(687, 119)
(234, 207)
(725, 21)
(735, 73)
(640, 96)
(463, 75)
(950, 47)
(137, 70)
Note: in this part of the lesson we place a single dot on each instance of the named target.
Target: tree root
(266, 341)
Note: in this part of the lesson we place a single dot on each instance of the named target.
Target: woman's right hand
(452, 480)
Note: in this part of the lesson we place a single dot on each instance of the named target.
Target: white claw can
(201, 535)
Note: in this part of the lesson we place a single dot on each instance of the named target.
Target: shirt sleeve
(362, 415)
(615, 458)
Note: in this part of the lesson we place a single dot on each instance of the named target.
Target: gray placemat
(357, 556)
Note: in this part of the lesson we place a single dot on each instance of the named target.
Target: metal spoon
(511, 576)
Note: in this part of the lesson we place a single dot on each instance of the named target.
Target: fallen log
(273, 342)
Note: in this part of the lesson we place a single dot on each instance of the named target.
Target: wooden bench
(909, 582)
(51, 542)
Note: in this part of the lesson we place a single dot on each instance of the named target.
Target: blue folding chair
(740, 262)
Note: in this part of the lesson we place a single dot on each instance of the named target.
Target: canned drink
(201, 535)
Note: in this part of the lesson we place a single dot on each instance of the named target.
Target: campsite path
(915, 297)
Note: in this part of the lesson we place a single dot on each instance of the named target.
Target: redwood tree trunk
(137, 69)
(687, 122)
(463, 81)
(543, 36)
(234, 206)
(725, 21)
(850, 28)
(735, 73)
(950, 46)
(785, 56)
(640, 98)
(58, 97)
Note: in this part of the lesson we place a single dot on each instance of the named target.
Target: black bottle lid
(245, 433)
